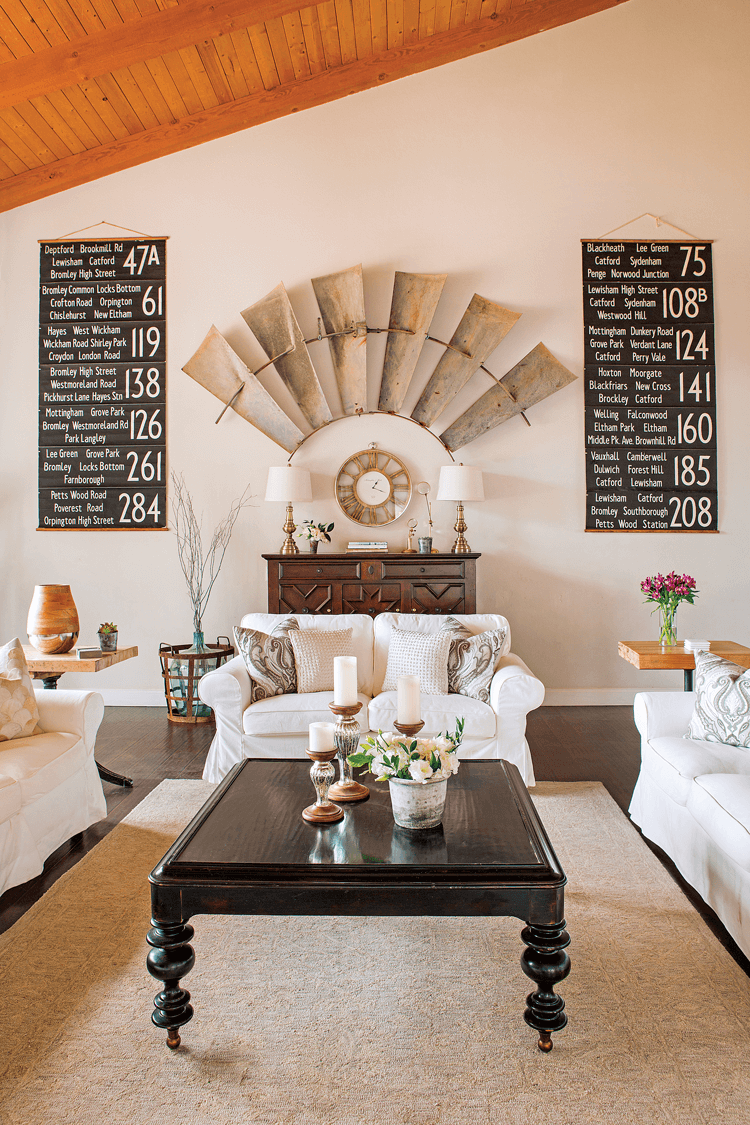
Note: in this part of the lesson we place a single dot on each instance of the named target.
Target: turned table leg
(170, 958)
(545, 961)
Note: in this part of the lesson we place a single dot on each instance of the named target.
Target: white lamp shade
(287, 483)
(460, 482)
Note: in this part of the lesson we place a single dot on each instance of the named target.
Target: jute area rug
(373, 1021)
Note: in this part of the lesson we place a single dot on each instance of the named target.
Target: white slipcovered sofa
(278, 726)
(692, 799)
(49, 784)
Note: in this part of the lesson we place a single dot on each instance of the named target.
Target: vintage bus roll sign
(102, 385)
(650, 386)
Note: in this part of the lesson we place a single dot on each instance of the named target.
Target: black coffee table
(248, 851)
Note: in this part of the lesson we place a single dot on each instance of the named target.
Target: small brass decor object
(409, 548)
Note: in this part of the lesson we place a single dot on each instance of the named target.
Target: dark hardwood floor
(567, 744)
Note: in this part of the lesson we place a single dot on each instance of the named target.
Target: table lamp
(460, 483)
(287, 484)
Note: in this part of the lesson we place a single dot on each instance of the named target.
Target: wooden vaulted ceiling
(90, 87)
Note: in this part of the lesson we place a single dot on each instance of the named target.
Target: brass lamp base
(289, 547)
(460, 547)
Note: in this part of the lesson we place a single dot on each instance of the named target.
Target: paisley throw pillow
(269, 658)
(722, 701)
(472, 659)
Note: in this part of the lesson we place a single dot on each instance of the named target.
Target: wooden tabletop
(46, 664)
(651, 654)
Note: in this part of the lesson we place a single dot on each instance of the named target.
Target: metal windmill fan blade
(537, 376)
(221, 371)
(415, 298)
(341, 299)
(482, 327)
(274, 325)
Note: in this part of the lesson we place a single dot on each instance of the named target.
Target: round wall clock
(373, 487)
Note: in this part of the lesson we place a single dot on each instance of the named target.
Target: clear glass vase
(667, 629)
(185, 672)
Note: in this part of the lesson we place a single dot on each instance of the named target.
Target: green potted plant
(108, 637)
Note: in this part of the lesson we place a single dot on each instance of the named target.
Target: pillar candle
(408, 700)
(321, 736)
(344, 680)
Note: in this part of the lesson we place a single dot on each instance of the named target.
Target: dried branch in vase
(200, 567)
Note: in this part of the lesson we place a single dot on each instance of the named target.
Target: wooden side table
(651, 654)
(50, 667)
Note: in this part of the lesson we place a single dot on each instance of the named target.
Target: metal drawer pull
(421, 570)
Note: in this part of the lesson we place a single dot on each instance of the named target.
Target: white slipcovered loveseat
(692, 799)
(278, 726)
(49, 784)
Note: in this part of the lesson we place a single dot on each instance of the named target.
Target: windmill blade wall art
(415, 299)
(221, 371)
(274, 325)
(482, 327)
(537, 376)
(341, 301)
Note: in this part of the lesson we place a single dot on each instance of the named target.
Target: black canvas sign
(102, 385)
(650, 386)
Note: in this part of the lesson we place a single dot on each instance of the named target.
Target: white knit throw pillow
(314, 652)
(411, 653)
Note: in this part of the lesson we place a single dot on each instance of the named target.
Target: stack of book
(368, 545)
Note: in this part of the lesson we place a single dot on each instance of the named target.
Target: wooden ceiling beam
(70, 64)
(507, 26)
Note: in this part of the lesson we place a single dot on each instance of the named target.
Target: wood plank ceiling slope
(90, 87)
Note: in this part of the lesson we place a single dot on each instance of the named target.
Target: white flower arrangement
(390, 754)
(319, 531)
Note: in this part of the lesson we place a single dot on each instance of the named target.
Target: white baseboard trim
(589, 697)
(131, 697)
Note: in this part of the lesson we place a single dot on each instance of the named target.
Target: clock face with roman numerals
(373, 487)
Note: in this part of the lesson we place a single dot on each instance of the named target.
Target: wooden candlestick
(346, 740)
(411, 730)
(322, 774)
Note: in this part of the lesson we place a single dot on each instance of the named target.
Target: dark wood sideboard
(378, 583)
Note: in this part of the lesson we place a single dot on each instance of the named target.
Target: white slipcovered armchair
(50, 788)
(278, 726)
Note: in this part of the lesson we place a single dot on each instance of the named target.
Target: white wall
(491, 169)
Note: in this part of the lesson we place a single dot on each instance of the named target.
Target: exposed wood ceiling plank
(45, 131)
(411, 21)
(247, 60)
(297, 49)
(313, 40)
(510, 25)
(381, 22)
(395, 10)
(280, 47)
(329, 31)
(68, 64)
(56, 121)
(264, 56)
(198, 76)
(230, 64)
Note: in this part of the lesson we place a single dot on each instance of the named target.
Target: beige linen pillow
(411, 653)
(269, 658)
(314, 652)
(19, 714)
